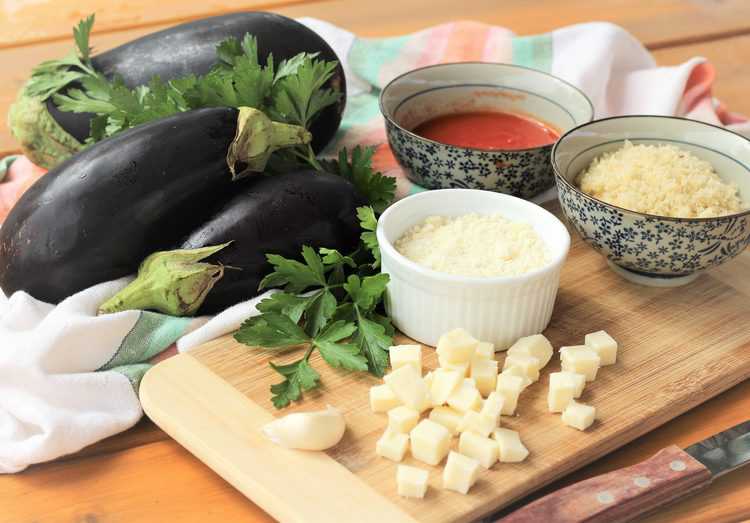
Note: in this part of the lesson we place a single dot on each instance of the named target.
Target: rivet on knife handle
(620, 495)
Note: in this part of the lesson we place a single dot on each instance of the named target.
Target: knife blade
(624, 494)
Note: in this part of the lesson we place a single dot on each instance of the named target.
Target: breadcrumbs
(659, 179)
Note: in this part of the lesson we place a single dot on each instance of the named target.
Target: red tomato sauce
(487, 130)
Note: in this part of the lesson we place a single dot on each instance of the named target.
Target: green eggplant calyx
(41, 138)
(173, 282)
(258, 137)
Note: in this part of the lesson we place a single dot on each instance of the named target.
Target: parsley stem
(312, 160)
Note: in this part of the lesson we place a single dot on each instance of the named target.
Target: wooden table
(142, 475)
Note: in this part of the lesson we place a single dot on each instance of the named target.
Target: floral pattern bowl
(436, 90)
(644, 248)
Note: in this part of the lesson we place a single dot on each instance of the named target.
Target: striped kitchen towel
(69, 377)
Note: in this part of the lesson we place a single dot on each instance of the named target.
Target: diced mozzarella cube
(484, 373)
(444, 382)
(457, 346)
(493, 408)
(510, 446)
(448, 417)
(427, 378)
(481, 448)
(579, 415)
(562, 389)
(411, 482)
(578, 380)
(430, 442)
(382, 398)
(536, 345)
(580, 359)
(509, 387)
(401, 355)
(392, 445)
(604, 345)
(408, 386)
(517, 371)
(460, 473)
(475, 422)
(485, 350)
(466, 397)
(461, 368)
(402, 419)
(530, 365)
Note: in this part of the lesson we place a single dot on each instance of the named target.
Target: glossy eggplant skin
(99, 214)
(275, 214)
(191, 49)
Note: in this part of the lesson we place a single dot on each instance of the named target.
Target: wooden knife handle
(620, 495)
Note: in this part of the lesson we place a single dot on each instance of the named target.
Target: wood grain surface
(670, 360)
(142, 475)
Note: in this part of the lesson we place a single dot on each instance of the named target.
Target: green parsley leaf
(356, 167)
(290, 305)
(319, 309)
(294, 275)
(340, 355)
(299, 376)
(298, 98)
(373, 342)
(369, 223)
(81, 36)
(334, 257)
(271, 330)
(365, 293)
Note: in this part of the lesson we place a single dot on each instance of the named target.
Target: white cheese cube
(408, 386)
(401, 355)
(481, 448)
(509, 387)
(392, 445)
(430, 442)
(562, 390)
(510, 446)
(382, 398)
(484, 373)
(460, 472)
(578, 381)
(537, 345)
(604, 345)
(580, 359)
(517, 371)
(579, 415)
(411, 482)
(444, 382)
(427, 378)
(485, 350)
(475, 422)
(457, 346)
(448, 417)
(461, 368)
(466, 397)
(528, 364)
(493, 408)
(402, 419)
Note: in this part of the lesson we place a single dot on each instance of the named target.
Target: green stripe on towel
(533, 51)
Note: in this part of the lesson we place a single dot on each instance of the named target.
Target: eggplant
(99, 214)
(276, 215)
(185, 49)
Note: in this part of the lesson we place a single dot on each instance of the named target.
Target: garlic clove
(318, 430)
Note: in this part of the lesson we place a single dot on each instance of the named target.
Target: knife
(626, 493)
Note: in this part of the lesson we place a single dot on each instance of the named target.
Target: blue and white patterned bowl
(432, 91)
(644, 248)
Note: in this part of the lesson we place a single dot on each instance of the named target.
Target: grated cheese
(659, 179)
(474, 245)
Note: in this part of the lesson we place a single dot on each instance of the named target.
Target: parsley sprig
(291, 92)
(329, 303)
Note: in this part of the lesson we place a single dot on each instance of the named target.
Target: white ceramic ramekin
(424, 304)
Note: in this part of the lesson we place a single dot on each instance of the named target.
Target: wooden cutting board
(678, 347)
